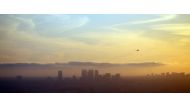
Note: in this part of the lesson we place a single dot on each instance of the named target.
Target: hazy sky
(97, 38)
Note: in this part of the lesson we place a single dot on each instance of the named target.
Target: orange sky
(97, 38)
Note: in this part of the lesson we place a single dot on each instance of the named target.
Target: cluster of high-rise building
(94, 75)
(173, 74)
(91, 75)
(170, 74)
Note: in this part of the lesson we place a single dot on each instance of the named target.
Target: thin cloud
(159, 19)
(46, 25)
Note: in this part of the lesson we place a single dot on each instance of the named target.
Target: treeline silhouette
(91, 81)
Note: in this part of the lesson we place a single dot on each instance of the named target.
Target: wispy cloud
(57, 25)
(126, 26)
(46, 25)
(160, 18)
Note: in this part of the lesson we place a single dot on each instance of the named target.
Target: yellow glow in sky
(96, 38)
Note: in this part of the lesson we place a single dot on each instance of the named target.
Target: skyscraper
(60, 75)
(91, 74)
(107, 76)
(83, 74)
(96, 74)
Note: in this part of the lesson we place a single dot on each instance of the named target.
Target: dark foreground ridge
(92, 82)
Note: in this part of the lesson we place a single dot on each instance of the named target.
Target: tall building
(60, 75)
(83, 74)
(107, 76)
(116, 77)
(96, 74)
(91, 74)
(19, 77)
(74, 77)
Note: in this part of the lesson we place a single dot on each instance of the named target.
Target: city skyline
(99, 38)
(93, 81)
(73, 68)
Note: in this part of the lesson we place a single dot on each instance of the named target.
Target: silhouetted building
(91, 74)
(167, 73)
(74, 77)
(163, 74)
(96, 74)
(49, 78)
(182, 73)
(19, 77)
(84, 74)
(107, 76)
(60, 75)
(174, 74)
(116, 77)
(171, 75)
